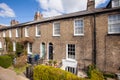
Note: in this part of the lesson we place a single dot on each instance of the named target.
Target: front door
(50, 51)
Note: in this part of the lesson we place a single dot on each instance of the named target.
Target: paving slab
(7, 74)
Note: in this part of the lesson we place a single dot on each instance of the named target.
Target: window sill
(70, 59)
(26, 36)
(113, 34)
(78, 34)
(56, 35)
(37, 35)
(17, 37)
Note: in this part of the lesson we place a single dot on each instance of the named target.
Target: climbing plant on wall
(19, 48)
(9, 45)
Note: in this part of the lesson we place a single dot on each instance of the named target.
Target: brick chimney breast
(14, 22)
(38, 16)
(90, 5)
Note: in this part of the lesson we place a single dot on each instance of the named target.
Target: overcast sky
(23, 10)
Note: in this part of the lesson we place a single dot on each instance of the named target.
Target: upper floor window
(38, 32)
(27, 31)
(3, 33)
(17, 32)
(71, 51)
(114, 24)
(115, 3)
(78, 27)
(10, 33)
(56, 29)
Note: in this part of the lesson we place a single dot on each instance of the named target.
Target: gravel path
(7, 74)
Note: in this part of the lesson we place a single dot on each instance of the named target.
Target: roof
(66, 16)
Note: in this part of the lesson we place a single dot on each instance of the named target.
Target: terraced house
(76, 39)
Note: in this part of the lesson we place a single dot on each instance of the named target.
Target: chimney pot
(38, 16)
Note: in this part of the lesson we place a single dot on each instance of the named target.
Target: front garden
(17, 61)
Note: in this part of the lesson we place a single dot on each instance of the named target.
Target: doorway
(50, 51)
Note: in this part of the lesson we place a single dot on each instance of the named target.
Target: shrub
(20, 61)
(19, 48)
(96, 75)
(11, 55)
(90, 68)
(109, 75)
(42, 72)
(5, 61)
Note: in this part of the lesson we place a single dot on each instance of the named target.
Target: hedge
(42, 72)
(5, 61)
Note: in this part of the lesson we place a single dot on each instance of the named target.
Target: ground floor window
(14, 46)
(29, 47)
(71, 69)
(0, 45)
(71, 51)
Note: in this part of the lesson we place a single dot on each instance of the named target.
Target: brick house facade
(76, 39)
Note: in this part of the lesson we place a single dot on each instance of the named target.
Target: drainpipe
(94, 41)
(105, 58)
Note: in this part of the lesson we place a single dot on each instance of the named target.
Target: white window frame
(4, 34)
(67, 53)
(78, 34)
(0, 34)
(28, 48)
(14, 46)
(54, 29)
(71, 69)
(27, 31)
(10, 33)
(115, 3)
(36, 30)
(17, 32)
(0, 45)
(113, 22)
(47, 51)
(41, 48)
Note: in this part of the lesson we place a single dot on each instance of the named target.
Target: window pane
(114, 23)
(78, 27)
(38, 31)
(71, 51)
(0, 45)
(115, 3)
(56, 28)
(71, 69)
(30, 46)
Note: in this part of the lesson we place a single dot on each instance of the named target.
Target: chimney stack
(14, 22)
(38, 16)
(90, 5)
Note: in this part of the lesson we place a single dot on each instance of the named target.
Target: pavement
(7, 74)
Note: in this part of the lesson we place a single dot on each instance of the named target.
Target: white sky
(59, 7)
